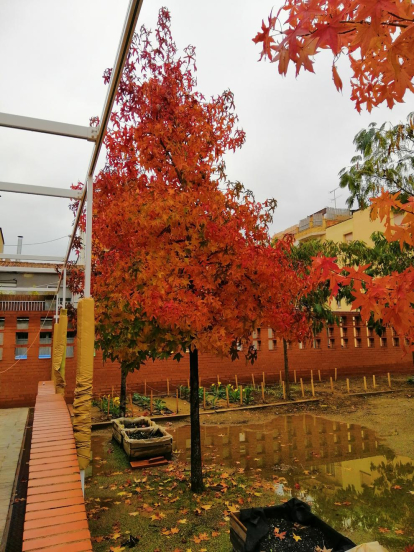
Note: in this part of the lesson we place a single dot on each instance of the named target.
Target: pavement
(12, 424)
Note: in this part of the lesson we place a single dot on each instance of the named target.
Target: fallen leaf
(296, 537)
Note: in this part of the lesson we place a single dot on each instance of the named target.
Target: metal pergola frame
(92, 134)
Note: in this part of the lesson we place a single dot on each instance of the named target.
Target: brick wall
(18, 382)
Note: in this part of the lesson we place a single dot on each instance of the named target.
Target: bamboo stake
(301, 385)
(332, 387)
(254, 385)
(227, 397)
(263, 393)
(130, 402)
(188, 384)
(365, 383)
(347, 384)
(241, 394)
(374, 383)
(151, 404)
(311, 375)
(112, 394)
(336, 374)
(168, 387)
(319, 374)
(237, 385)
(313, 388)
(284, 390)
(145, 387)
(204, 398)
(280, 374)
(264, 380)
(294, 376)
(218, 380)
(176, 398)
(389, 380)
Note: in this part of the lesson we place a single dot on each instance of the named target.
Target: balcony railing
(27, 306)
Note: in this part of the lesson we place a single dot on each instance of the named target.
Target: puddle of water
(351, 480)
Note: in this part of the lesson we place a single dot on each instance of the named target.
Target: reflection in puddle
(352, 481)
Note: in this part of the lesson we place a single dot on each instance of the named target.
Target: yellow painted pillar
(84, 377)
(59, 359)
(55, 338)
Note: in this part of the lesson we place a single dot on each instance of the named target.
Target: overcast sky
(52, 57)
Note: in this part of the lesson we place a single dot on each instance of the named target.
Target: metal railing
(22, 305)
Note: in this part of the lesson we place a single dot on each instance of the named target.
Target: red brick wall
(18, 383)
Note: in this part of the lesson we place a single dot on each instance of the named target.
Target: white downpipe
(64, 289)
(88, 244)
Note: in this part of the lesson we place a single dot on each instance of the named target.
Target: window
(1, 338)
(46, 323)
(348, 237)
(1, 354)
(272, 344)
(256, 334)
(20, 353)
(330, 331)
(257, 345)
(344, 343)
(395, 341)
(270, 333)
(371, 342)
(22, 323)
(317, 343)
(358, 342)
(344, 332)
(338, 303)
(1, 323)
(71, 339)
(342, 320)
(383, 341)
(301, 345)
(357, 332)
(357, 320)
(22, 338)
(370, 332)
(69, 351)
(331, 343)
(45, 352)
(45, 338)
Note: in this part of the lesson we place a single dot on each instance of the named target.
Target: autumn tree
(384, 160)
(178, 246)
(309, 304)
(376, 35)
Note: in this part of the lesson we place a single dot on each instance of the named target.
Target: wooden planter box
(294, 511)
(159, 445)
(237, 532)
(120, 424)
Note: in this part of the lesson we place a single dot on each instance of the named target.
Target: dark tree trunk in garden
(285, 357)
(122, 396)
(197, 485)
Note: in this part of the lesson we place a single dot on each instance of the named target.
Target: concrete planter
(119, 424)
(147, 442)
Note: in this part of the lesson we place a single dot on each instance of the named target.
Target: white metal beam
(131, 19)
(28, 257)
(27, 269)
(48, 127)
(39, 190)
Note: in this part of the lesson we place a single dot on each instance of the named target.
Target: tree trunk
(122, 396)
(285, 357)
(197, 485)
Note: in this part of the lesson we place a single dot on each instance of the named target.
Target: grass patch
(157, 505)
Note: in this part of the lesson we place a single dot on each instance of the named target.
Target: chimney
(19, 244)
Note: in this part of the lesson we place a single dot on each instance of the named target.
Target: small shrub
(410, 380)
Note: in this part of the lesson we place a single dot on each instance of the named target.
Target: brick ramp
(55, 517)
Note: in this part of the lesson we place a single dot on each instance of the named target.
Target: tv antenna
(335, 197)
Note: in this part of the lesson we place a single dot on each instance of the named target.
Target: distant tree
(385, 160)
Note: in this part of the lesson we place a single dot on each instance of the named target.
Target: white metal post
(56, 310)
(64, 289)
(88, 237)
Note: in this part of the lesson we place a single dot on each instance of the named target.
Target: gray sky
(52, 57)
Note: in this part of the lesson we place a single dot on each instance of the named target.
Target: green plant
(410, 380)
(184, 392)
(234, 394)
(114, 409)
(248, 394)
(141, 400)
(159, 405)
